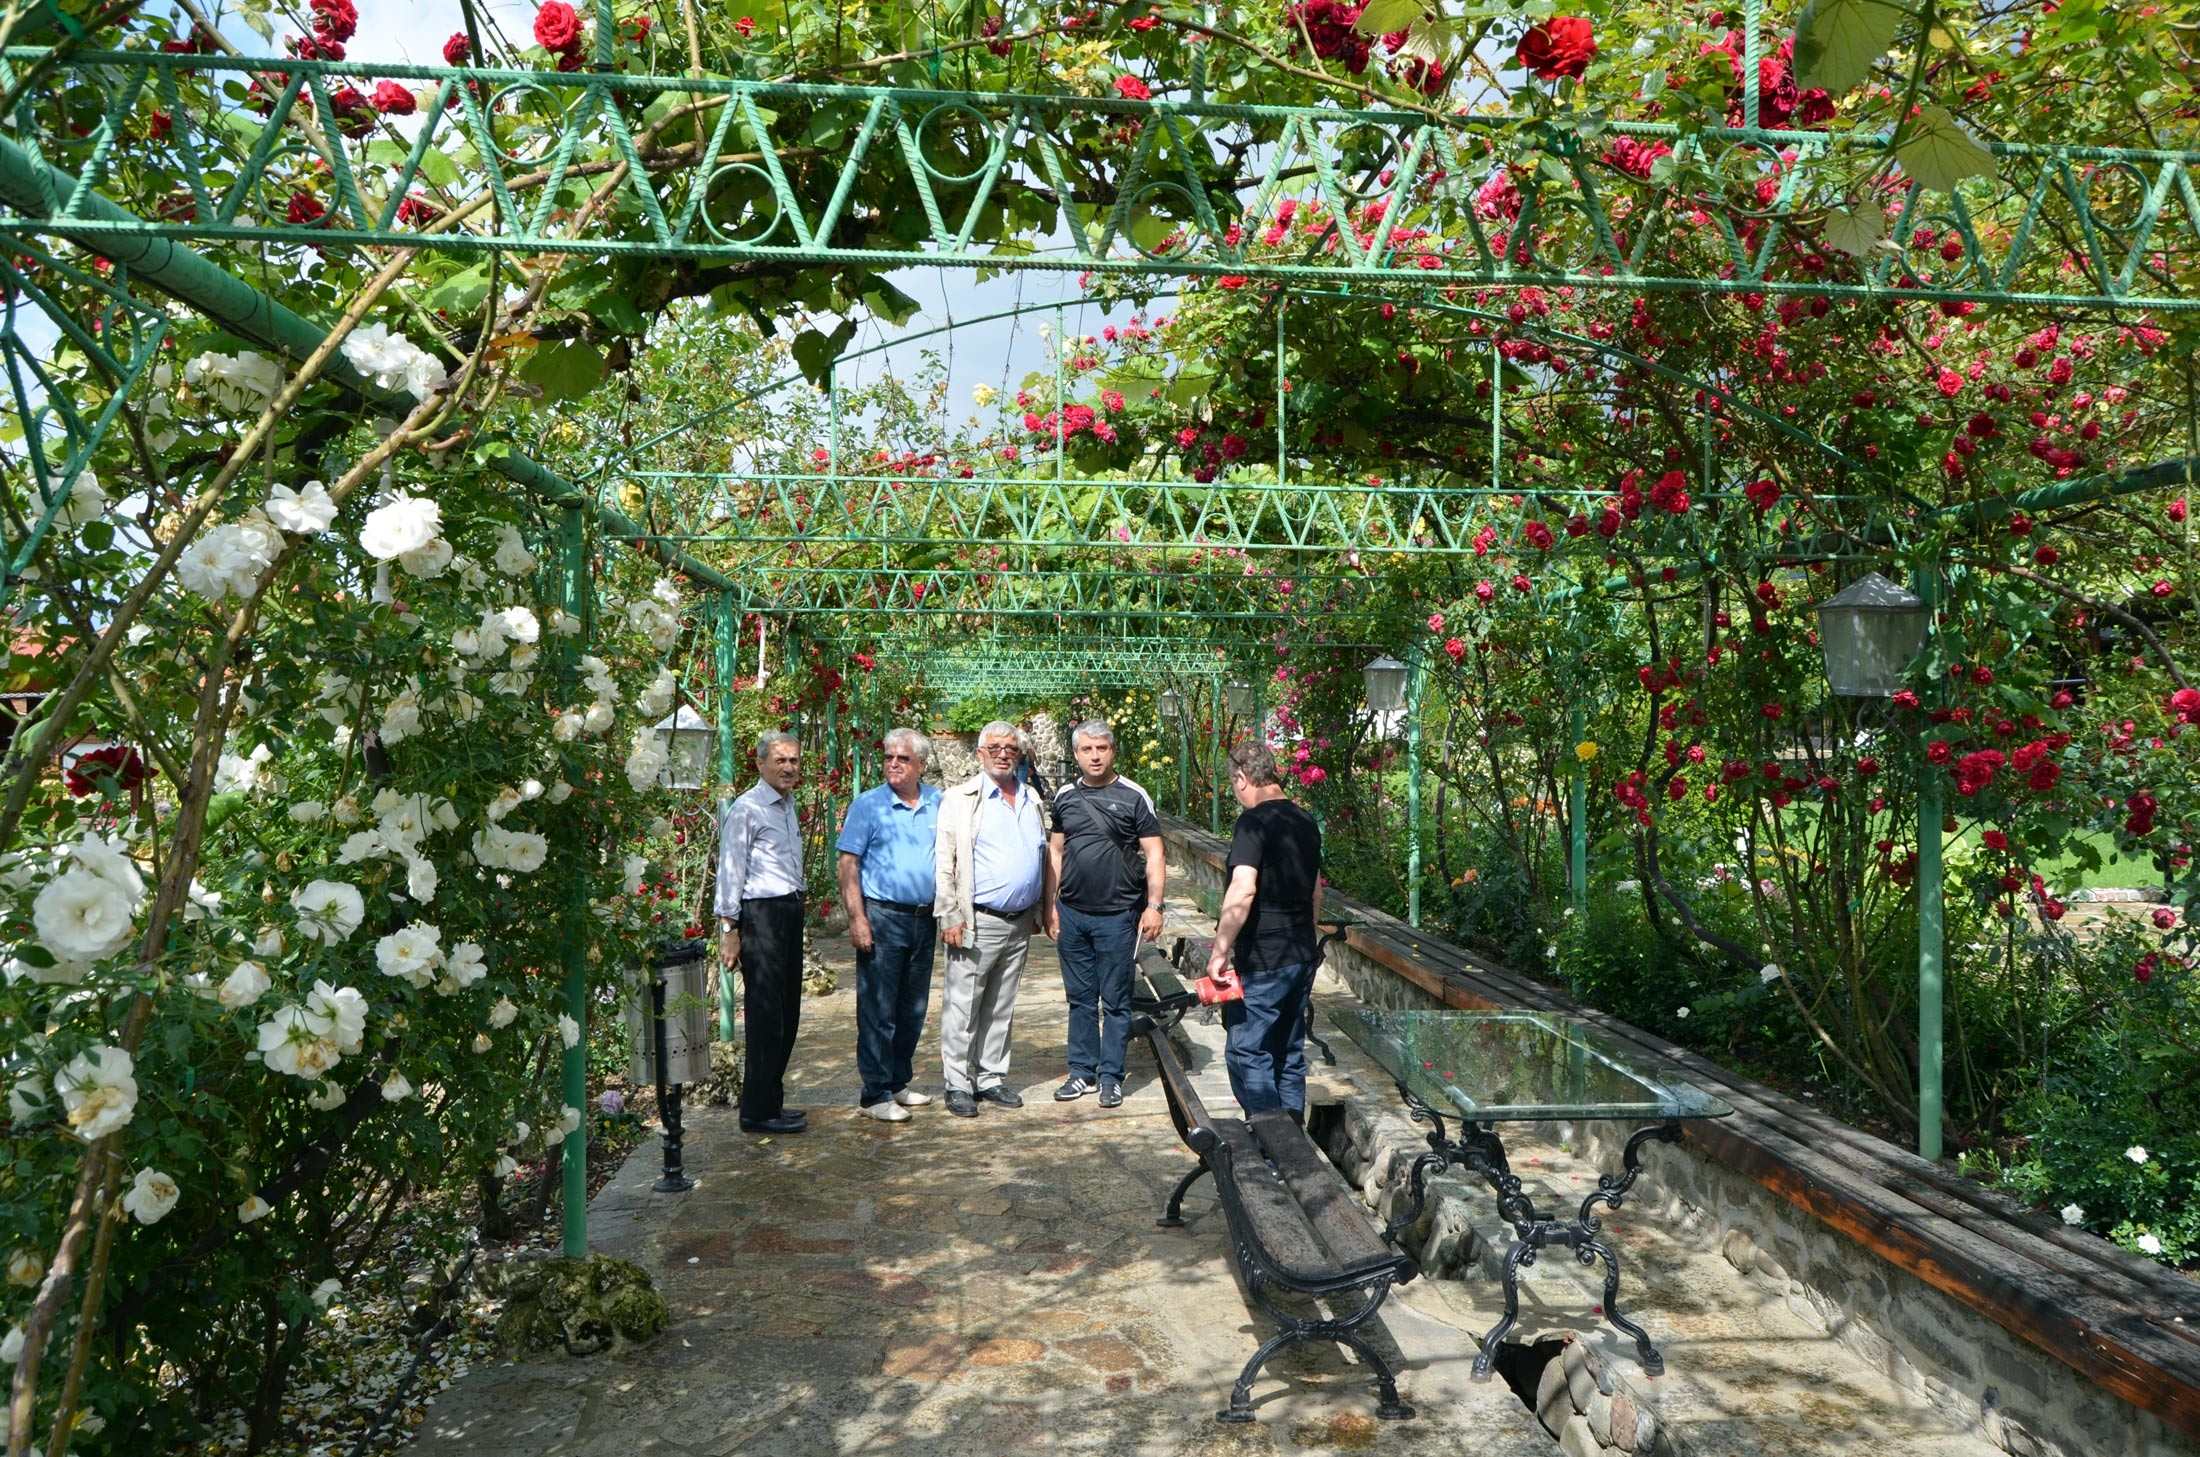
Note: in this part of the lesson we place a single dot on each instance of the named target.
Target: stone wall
(1928, 1343)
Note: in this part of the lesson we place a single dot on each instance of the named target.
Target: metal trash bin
(669, 1026)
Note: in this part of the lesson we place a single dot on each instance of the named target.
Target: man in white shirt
(760, 928)
(993, 886)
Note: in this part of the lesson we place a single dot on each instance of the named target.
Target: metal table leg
(1479, 1148)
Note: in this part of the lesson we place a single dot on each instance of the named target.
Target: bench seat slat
(1277, 1223)
(1335, 1213)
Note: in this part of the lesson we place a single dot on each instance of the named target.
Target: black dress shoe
(962, 1105)
(1002, 1096)
(784, 1123)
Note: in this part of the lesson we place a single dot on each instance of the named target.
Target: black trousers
(771, 987)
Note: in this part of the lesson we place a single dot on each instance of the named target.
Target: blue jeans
(893, 987)
(1096, 953)
(1265, 1040)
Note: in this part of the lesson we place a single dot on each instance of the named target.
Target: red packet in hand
(1215, 990)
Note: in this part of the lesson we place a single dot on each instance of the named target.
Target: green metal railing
(778, 180)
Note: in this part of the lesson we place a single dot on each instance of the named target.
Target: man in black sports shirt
(1110, 867)
(1266, 931)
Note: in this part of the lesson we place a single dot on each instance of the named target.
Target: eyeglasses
(996, 748)
(901, 758)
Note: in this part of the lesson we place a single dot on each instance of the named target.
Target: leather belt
(907, 908)
(997, 913)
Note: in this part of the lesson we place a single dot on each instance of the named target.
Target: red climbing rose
(1560, 46)
(557, 27)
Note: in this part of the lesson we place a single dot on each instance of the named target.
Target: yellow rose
(1586, 750)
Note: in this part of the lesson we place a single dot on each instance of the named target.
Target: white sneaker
(888, 1112)
(911, 1098)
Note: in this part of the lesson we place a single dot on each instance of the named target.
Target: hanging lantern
(1869, 632)
(688, 739)
(1171, 704)
(1239, 695)
(1386, 684)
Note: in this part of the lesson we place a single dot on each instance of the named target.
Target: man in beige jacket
(994, 885)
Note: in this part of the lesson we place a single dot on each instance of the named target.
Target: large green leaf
(814, 353)
(1938, 153)
(1837, 41)
(563, 371)
(1382, 16)
(1857, 230)
(889, 302)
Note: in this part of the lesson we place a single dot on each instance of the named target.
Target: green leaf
(1938, 153)
(889, 302)
(461, 293)
(1382, 16)
(814, 353)
(564, 371)
(1836, 41)
(1857, 230)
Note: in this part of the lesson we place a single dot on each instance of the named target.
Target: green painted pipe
(1417, 667)
(728, 645)
(1577, 813)
(1930, 908)
(573, 547)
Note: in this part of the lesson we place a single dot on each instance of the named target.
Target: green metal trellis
(490, 156)
(2061, 227)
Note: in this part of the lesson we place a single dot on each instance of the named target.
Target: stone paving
(998, 1285)
(968, 1287)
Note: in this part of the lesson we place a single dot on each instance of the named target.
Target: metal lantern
(688, 738)
(1171, 704)
(1869, 631)
(1386, 684)
(1239, 695)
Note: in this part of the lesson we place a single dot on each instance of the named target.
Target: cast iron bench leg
(1174, 1217)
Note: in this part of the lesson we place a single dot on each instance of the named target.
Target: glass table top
(1518, 1066)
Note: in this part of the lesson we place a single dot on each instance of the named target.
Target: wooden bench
(1295, 1225)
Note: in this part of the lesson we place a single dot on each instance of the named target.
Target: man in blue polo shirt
(886, 874)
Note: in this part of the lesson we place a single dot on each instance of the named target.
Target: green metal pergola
(766, 175)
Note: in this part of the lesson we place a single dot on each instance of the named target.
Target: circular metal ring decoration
(727, 231)
(925, 137)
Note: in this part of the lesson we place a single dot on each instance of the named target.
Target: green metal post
(1184, 761)
(1577, 814)
(573, 548)
(1215, 772)
(728, 645)
(1930, 924)
(1415, 668)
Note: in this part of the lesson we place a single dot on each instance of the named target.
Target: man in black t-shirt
(1110, 866)
(1266, 930)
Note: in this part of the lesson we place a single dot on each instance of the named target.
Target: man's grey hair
(766, 742)
(1001, 729)
(1092, 728)
(1257, 762)
(908, 738)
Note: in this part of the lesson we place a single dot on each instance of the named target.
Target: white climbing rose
(2149, 1244)
(328, 910)
(410, 953)
(2073, 1214)
(403, 524)
(11, 1346)
(289, 1043)
(2136, 1153)
(327, 1291)
(502, 1014)
(81, 916)
(151, 1195)
(307, 511)
(339, 1014)
(327, 1096)
(396, 1088)
(98, 1091)
(254, 1207)
(429, 561)
(228, 560)
(243, 986)
(569, 1031)
(464, 966)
